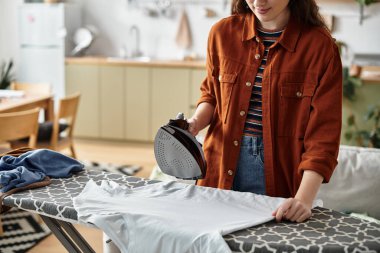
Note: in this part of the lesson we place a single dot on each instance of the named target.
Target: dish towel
(184, 38)
(170, 216)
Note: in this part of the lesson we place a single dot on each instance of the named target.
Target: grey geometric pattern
(56, 199)
(325, 231)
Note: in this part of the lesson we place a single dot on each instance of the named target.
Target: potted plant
(350, 83)
(5, 74)
(363, 3)
(365, 138)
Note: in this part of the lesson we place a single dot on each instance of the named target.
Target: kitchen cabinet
(170, 95)
(197, 77)
(131, 102)
(111, 96)
(137, 109)
(85, 79)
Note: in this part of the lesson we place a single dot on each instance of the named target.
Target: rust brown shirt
(302, 102)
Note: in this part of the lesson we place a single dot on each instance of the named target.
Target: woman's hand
(193, 126)
(294, 210)
(298, 209)
(201, 118)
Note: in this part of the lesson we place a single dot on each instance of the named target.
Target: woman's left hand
(294, 210)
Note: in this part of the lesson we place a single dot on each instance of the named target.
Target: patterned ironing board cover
(326, 231)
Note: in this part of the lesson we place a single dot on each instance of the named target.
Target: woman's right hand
(193, 126)
(201, 118)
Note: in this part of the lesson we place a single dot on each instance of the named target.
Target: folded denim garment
(34, 166)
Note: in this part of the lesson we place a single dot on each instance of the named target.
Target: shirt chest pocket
(227, 82)
(295, 107)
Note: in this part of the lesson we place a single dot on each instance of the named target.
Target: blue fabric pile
(34, 166)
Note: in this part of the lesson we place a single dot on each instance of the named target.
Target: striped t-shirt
(253, 124)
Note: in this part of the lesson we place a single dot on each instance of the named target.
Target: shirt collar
(288, 39)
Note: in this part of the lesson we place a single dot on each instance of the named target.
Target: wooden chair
(15, 125)
(32, 88)
(67, 111)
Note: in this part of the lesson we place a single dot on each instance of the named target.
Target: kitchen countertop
(197, 64)
(367, 67)
(369, 74)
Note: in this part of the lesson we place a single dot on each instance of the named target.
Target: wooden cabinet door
(85, 79)
(197, 77)
(137, 103)
(170, 95)
(111, 102)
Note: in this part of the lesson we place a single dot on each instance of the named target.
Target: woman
(272, 99)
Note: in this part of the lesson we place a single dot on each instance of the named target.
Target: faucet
(136, 31)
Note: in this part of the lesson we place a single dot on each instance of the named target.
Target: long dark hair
(305, 11)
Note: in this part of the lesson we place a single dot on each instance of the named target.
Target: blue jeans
(250, 175)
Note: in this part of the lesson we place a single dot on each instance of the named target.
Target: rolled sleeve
(323, 131)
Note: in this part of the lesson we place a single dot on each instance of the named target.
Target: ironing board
(326, 231)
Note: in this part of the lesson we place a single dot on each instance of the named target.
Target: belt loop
(254, 145)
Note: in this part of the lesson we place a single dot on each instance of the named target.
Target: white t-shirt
(171, 217)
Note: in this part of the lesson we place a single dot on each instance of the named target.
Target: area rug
(125, 169)
(21, 231)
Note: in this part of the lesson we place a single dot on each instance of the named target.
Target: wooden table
(29, 101)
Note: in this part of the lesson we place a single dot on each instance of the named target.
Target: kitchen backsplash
(114, 19)
(158, 26)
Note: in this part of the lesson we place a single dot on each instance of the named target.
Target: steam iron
(177, 152)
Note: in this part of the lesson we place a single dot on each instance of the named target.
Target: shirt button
(230, 172)
(236, 143)
(242, 113)
(257, 39)
(248, 84)
(220, 78)
(257, 56)
(299, 94)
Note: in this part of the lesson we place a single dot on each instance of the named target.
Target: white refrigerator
(46, 32)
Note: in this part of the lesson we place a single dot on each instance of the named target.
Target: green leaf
(370, 113)
(6, 76)
(346, 73)
(349, 91)
(376, 144)
(377, 114)
(351, 120)
(364, 134)
(348, 136)
(357, 82)
(365, 2)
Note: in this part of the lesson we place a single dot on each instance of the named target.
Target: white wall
(363, 38)
(8, 30)
(113, 19)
